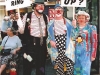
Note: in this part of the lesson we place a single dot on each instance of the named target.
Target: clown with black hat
(35, 33)
(36, 3)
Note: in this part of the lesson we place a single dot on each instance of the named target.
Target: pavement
(49, 69)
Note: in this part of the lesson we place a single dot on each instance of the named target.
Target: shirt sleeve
(94, 41)
(21, 24)
(24, 19)
(19, 44)
(2, 24)
(4, 41)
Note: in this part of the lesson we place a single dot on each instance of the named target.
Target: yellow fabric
(65, 68)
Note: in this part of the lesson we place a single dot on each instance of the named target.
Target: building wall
(2, 13)
(70, 12)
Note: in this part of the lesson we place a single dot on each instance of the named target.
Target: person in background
(11, 41)
(60, 44)
(35, 34)
(85, 45)
(17, 24)
(11, 15)
(14, 24)
(5, 24)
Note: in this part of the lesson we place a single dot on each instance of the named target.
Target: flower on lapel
(28, 20)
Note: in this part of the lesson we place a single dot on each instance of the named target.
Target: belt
(36, 40)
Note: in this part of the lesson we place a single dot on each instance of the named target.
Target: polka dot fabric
(62, 58)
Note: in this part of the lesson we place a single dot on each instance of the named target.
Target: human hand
(74, 23)
(92, 58)
(21, 30)
(14, 52)
(53, 44)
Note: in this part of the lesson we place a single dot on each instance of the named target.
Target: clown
(60, 45)
(35, 35)
(86, 44)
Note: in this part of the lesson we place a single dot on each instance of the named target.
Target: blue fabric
(82, 61)
(83, 51)
(58, 5)
(69, 28)
(12, 42)
(5, 25)
(70, 50)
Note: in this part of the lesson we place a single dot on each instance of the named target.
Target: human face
(39, 8)
(58, 12)
(81, 19)
(9, 32)
(12, 16)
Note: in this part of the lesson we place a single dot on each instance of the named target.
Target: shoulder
(45, 15)
(68, 21)
(50, 22)
(5, 37)
(16, 37)
(30, 12)
(93, 27)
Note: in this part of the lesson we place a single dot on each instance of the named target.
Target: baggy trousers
(82, 61)
(38, 54)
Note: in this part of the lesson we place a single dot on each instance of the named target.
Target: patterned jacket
(89, 34)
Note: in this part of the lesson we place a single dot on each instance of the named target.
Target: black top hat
(37, 2)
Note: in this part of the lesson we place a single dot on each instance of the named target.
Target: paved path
(49, 69)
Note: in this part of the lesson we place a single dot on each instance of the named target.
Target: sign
(73, 3)
(51, 14)
(14, 4)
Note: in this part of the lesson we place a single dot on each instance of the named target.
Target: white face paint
(58, 15)
(40, 11)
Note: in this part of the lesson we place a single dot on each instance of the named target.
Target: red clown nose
(58, 11)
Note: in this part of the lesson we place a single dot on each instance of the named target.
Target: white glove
(28, 57)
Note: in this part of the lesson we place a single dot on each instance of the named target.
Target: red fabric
(94, 44)
(13, 72)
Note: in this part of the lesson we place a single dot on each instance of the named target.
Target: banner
(73, 3)
(15, 4)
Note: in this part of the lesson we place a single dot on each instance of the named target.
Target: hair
(33, 5)
(11, 13)
(13, 30)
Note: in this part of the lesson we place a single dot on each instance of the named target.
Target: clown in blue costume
(85, 36)
(60, 44)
